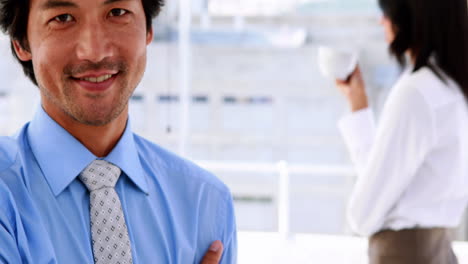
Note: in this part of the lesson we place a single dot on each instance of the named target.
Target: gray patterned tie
(108, 229)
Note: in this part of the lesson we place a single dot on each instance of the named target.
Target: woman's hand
(354, 90)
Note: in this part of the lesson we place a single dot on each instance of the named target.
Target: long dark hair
(431, 28)
(14, 20)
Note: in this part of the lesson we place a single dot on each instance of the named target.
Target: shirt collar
(62, 157)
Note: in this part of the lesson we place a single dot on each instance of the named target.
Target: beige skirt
(412, 246)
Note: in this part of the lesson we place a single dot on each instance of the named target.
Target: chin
(91, 117)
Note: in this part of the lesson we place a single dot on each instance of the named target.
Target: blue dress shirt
(174, 210)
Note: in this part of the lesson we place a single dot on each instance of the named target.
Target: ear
(149, 36)
(22, 53)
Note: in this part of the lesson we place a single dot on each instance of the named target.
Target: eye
(117, 12)
(63, 18)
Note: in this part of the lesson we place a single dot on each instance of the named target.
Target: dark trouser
(412, 246)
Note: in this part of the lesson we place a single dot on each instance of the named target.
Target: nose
(93, 42)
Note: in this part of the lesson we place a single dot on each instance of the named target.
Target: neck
(411, 56)
(99, 140)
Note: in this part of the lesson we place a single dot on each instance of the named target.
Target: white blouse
(413, 168)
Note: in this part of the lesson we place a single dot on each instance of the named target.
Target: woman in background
(412, 184)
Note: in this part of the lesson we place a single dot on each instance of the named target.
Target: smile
(97, 83)
(98, 79)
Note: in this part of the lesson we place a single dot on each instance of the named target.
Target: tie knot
(100, 174)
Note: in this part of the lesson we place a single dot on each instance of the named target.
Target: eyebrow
(50, 4)
(107, 2)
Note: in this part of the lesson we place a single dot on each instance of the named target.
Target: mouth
(96, 83)
(98, 79)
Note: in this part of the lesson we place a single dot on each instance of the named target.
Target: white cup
(337, 63)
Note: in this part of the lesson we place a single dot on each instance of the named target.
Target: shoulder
(14, 188)
(177, 168)
(425, 84)
(9, 152)
(9, 155)
(13, 162)
(12, 149)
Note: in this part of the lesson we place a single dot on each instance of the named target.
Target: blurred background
(234, 85)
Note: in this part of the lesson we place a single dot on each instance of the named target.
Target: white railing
(283, 169)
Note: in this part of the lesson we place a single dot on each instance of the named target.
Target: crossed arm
(214, 253)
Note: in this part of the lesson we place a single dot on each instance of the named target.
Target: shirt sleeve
(9, 252)
(386, 158)
(217, 222)
(229, 233)
(358, 131)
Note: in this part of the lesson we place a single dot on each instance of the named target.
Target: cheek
(134, 49)
(48, 61)
(388, 28)
(134, 42)
(137, 68)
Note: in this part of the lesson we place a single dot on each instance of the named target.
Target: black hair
(431, 28)
(14, 21)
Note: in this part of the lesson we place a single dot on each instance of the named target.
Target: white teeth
(97, 79)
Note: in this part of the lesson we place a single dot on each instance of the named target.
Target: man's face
(88, 56)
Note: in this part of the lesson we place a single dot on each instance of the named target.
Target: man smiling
(76, 185)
